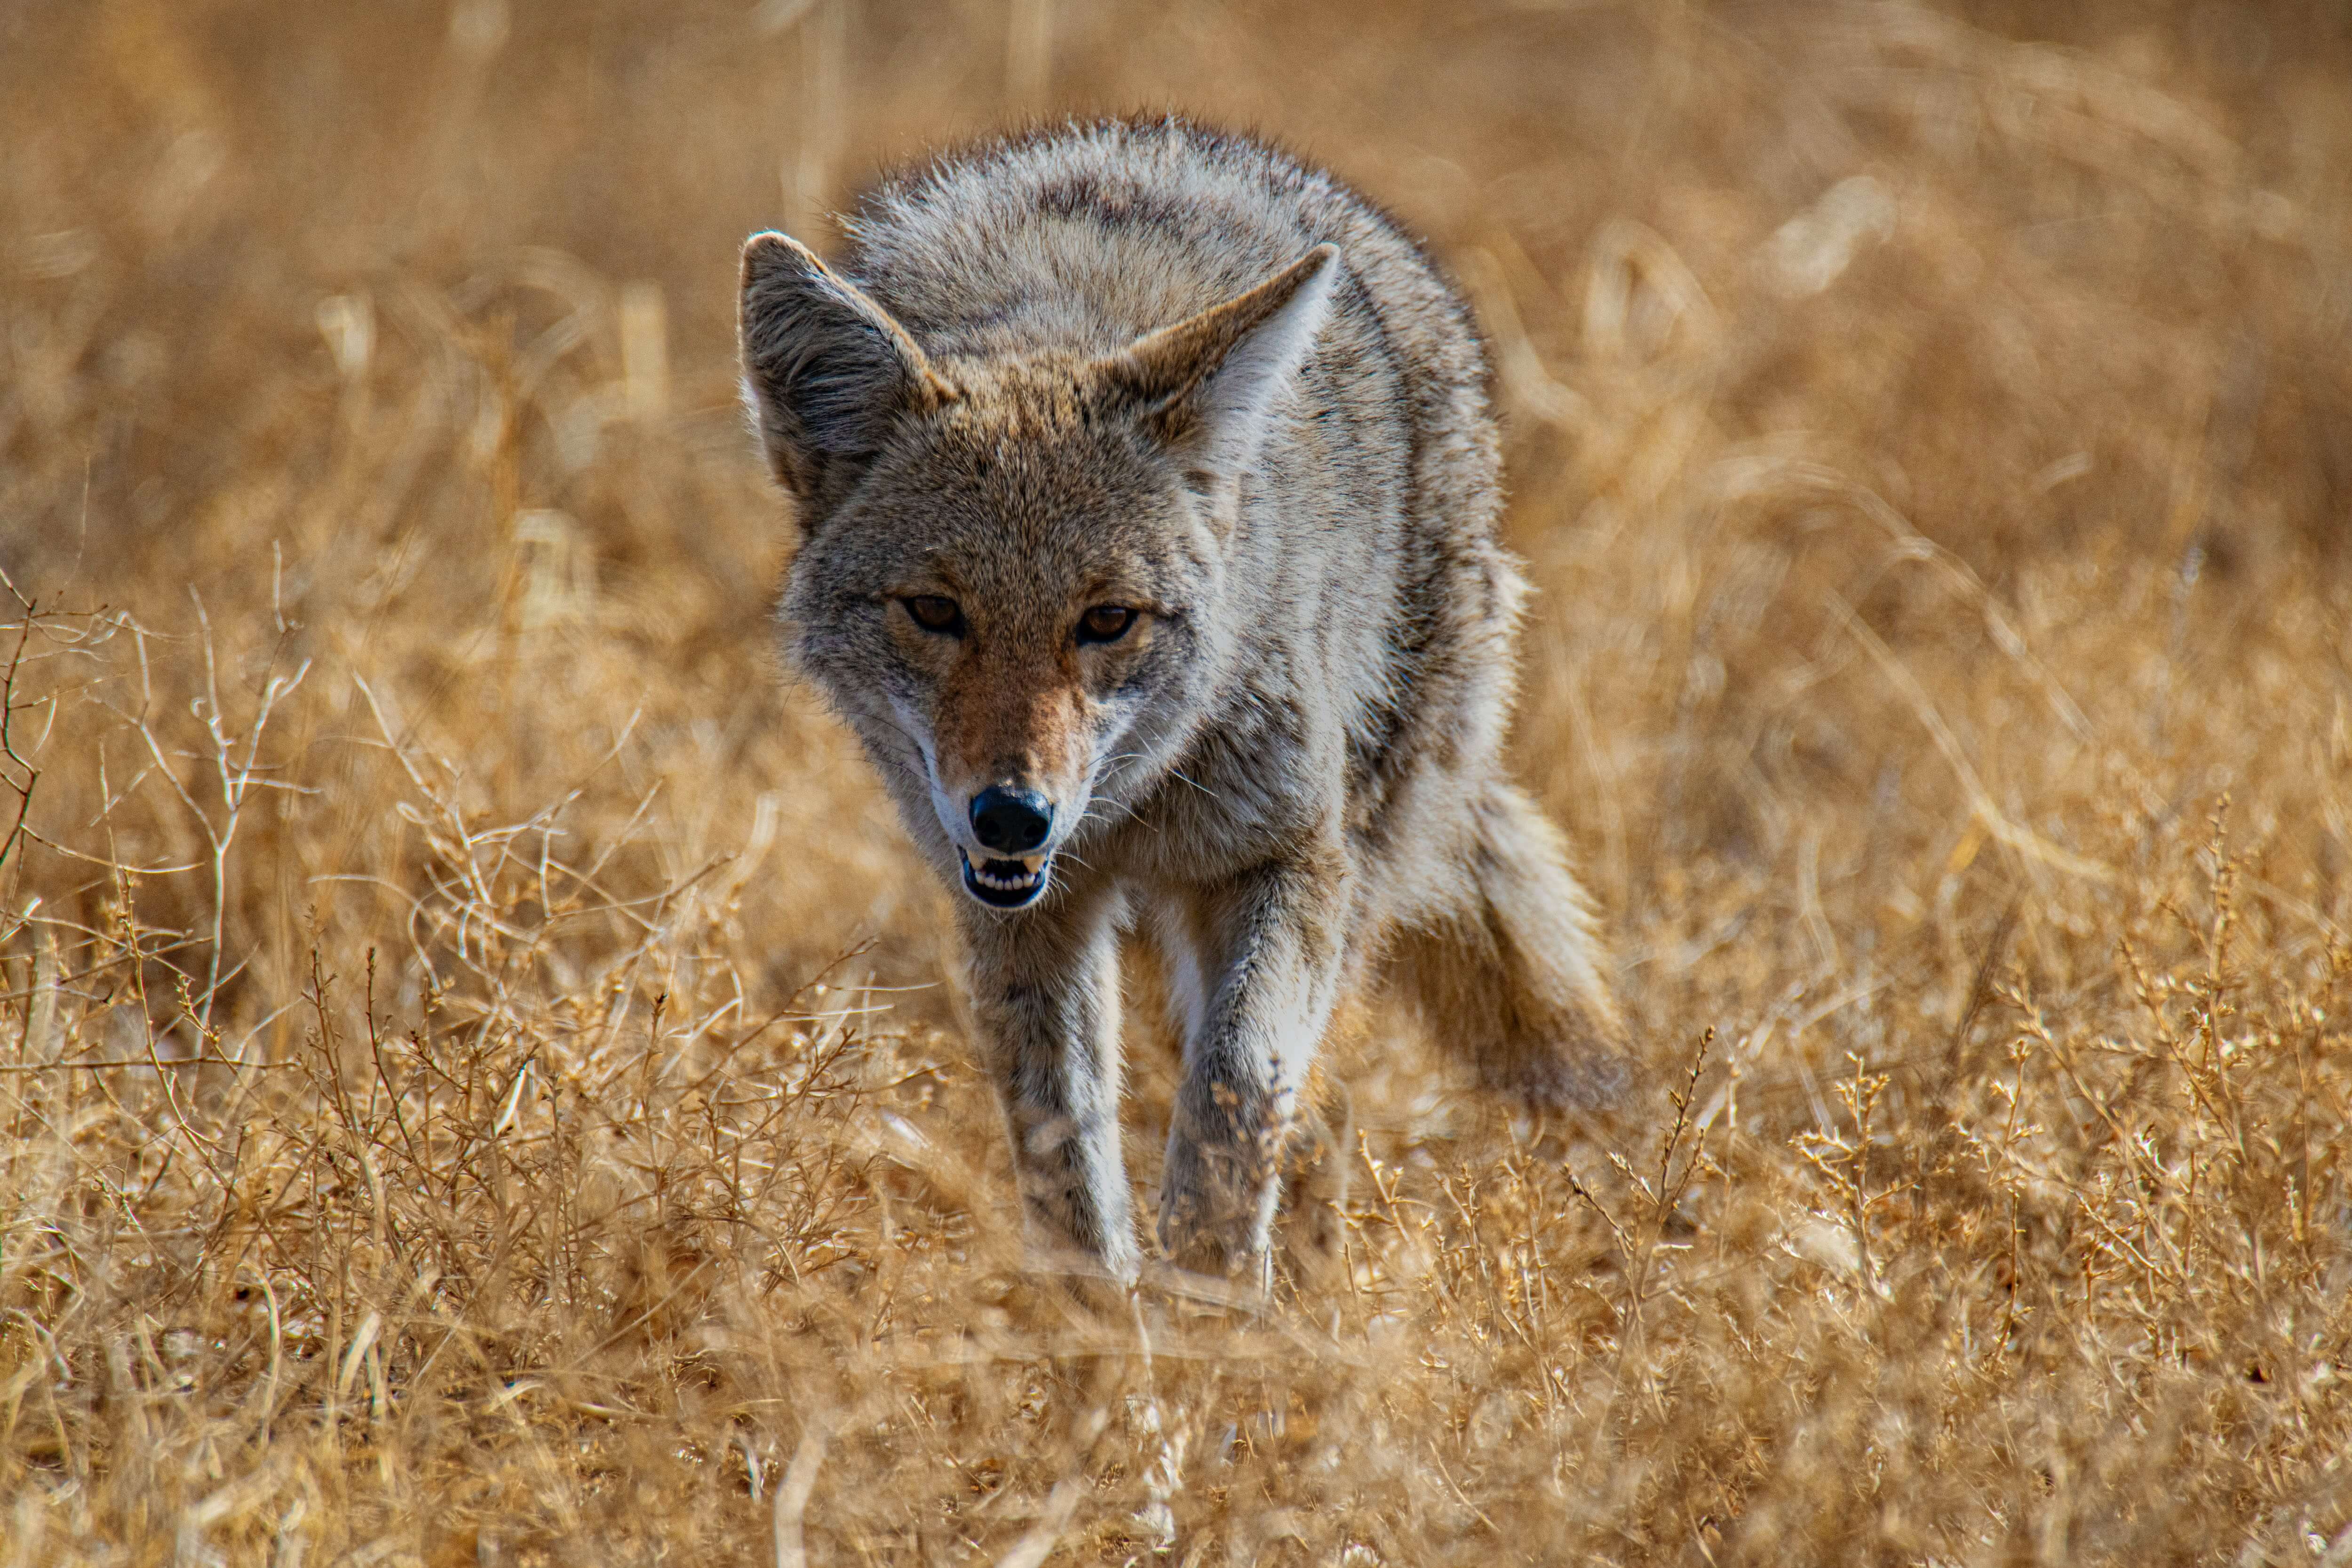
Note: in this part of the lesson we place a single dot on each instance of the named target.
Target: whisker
(1205, 789)
(1097, 801)
(914, 745)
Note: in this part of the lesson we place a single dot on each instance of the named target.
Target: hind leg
(1508, 973)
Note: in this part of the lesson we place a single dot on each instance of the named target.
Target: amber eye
(1105, 623)
(935, 613)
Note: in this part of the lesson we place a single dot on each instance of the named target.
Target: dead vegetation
(475, 1079)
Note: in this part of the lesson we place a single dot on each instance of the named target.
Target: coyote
(1147, 493)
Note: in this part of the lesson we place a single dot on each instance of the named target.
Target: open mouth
(1005, 884)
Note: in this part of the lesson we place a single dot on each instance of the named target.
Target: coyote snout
(1149, 496)
(1016, 737)
(1012, 824)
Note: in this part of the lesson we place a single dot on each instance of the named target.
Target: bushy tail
(1510, 978)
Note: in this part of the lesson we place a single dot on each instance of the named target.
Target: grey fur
(1143, 365)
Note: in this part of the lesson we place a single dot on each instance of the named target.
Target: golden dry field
(481, 1075)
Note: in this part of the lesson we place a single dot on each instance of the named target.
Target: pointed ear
(1207, 386)
(825, 369)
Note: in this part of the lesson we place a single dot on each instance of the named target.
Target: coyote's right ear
(825, 370)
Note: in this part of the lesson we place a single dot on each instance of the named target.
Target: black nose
(1011, 821)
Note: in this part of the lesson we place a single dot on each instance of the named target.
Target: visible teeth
(1009, 876)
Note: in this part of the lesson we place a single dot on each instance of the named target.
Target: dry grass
(476, 1082)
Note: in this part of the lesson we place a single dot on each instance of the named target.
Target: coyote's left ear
(1207, 386)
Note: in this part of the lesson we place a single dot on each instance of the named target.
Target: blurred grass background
(478, 1074)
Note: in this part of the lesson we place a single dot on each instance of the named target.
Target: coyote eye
(1105, 623)
(935, 613)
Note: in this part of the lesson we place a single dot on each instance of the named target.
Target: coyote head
(1012, 567)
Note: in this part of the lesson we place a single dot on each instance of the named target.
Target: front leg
(1045, 987)
(1266, 953)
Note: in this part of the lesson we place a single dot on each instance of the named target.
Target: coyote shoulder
(1149, 492)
